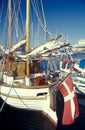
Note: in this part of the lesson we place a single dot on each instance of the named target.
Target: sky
(66, 17)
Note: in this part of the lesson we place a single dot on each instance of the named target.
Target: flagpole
(58, 83)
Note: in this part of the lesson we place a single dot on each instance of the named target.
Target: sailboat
(20, 86)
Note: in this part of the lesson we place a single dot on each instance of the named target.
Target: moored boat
(25, 86)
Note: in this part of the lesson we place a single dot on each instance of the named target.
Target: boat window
(63, 65)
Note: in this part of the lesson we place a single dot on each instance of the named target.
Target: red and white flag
(71, 110)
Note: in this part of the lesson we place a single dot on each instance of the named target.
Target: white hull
(80, 90)
(27, 98)
(24, 98)
(78, 69)
(79, 82)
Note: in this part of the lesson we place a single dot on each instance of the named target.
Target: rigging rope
(8, 96)
(22, 21)
(18, 19)
(5, 30)
(5, 100)
(21, 99)
(1, 12)
(44, 19)
(42, 25)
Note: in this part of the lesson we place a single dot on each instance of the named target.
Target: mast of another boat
(27, 40)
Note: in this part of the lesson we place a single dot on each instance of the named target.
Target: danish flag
(71, 110)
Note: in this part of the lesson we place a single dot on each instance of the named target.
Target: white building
(79, 46)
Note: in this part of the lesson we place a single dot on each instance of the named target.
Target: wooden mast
(9, 24)
(28, 35)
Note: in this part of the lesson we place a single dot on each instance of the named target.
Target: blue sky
(66, 17)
